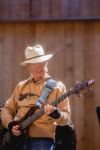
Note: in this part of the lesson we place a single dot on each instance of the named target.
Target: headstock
(81, 87)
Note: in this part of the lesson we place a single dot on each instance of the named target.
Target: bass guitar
(11, 142)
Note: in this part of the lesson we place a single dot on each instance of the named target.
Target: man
(26, 95)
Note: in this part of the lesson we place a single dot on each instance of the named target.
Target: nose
(37, 65)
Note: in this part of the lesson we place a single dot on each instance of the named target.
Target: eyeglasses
(40, 64)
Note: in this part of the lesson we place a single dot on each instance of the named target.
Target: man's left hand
(49, 109)
(52, 111)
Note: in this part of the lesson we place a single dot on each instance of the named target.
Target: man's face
(37, 70)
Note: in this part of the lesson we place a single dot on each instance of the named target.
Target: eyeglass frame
(40, 64)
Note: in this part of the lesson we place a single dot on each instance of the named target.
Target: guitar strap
(49, 86)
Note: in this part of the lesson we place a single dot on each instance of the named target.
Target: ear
(27, 65)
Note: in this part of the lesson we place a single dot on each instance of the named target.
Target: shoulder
(22, 83)
(60, 86)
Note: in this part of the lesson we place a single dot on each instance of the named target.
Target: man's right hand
(15, 130)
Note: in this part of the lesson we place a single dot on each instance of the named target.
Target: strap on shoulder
(49, 86)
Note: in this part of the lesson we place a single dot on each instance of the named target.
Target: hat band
(34, 57)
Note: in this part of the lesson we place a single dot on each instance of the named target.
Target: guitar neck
(61, 98)
(41, 112)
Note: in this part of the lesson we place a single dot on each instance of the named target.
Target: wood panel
(68, 63)
(59, 49)
(6, 9)
(95, 8)
(12, 9)
(97, 82)
(78, 58)
(35, 8)
(75, 8)
(15, 9)
(18, 54)
(85, 8)
(1, 9)
(8, 61)
(54, 8)
(64, 8)
(45, 8)
(79, 76)
(89, 97)
(24, 9)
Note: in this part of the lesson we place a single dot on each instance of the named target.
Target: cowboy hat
(35, 55)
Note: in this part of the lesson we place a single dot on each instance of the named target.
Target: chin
(40, 75)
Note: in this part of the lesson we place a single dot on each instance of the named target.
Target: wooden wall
(77, 47)
(21, 9)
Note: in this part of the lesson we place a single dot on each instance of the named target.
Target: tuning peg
(75, 85)
(88, 78)
(79, 95)
(89, 89)
(86, 83)
(77, 82)
(84, 91)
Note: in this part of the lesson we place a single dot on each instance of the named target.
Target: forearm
(63, 119)
(6, 117)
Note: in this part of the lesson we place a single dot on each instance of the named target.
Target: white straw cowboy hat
(35, 55)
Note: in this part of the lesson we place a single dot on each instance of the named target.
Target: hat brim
(37, 59)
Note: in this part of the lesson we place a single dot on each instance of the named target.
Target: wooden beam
(50, 19)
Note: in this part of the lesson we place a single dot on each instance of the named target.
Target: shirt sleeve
(9, 111)
(64, 106)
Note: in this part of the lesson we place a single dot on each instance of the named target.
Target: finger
(51, 108)
(16, 132)
(15, 127)
(46, 110)
(46, 107)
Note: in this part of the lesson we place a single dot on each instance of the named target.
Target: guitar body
(14, 142)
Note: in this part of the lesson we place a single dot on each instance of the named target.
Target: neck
(36, 79)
